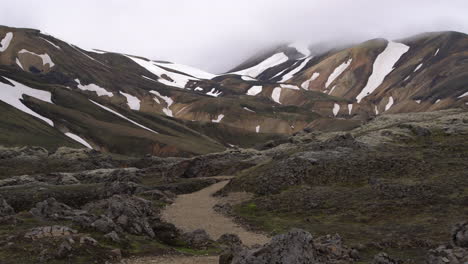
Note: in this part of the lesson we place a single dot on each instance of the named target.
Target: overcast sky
(215, 35)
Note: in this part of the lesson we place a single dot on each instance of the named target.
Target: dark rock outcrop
(294, 247)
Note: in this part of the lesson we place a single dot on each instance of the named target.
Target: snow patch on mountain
(218, 119)
(254, 90)
(383, 65)
(276, 94)
(350, 108)
(78, 139)
(5, 42)
(86, 55)
(178, 80)
(463, 95)
(94, 88)
(18, 62)
(336, 109)
(257, 129)
(248, 78)
(305, 85)
(437, 52)
(301, 48)
(390, 103)
(418, 101)
(333, 88)
(123, 117)
(299, 68)
(214, 92)
(45, 57)
(13, 95)
(198, 89)
(289, 86)
(247, 109)
(376, 110)
(418, 67)
(132, 101)
(197, 73)
(51, 43)
(168, 101)
(337, 72)
(256, 70)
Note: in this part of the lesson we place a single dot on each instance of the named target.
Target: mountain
(57, 94)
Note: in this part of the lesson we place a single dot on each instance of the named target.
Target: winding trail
(195, 211)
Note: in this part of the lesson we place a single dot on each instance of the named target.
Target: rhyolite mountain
(54, 94)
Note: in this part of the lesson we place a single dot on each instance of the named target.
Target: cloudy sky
(215, 35)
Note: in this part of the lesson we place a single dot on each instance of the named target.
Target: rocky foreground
(398, 185)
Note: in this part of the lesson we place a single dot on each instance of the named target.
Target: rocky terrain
(349, 154)
(396, 185)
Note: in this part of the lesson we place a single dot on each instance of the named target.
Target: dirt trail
(194, 211)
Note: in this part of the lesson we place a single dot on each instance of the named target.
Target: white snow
(336, 109)
(5, 42)
(51, 43)
(247, 109)
(407, 77)
(123, 117)
(86, 55)
(94, 88)
(248, 78)
(337, 72)
(289, 86)
(214, 92)
(254, 90)
(168, 101)
(132, 101)
(350, 108)
(418, 101)
(299, 68)
(257, 129)
(376, 110)
(463, 95)
(148, 78)
(306, 84)
(12, 95)
(217, 120)
(383, 65)
(45, 57)
(19, 63)
(437, 52)
(198, 89)
(78, 139)
(276, 94)
(333, 88)
(197, 73)
(418, 67)
(438, 100)
(179, 80)
(390, 103)
(301, 48)
(256, 70)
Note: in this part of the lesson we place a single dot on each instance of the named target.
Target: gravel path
(194, 211)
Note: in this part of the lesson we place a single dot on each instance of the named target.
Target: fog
(216, 35)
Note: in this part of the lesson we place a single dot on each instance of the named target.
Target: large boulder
(132, 214)
(294, 247)
(460, 235)
(53, 209)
